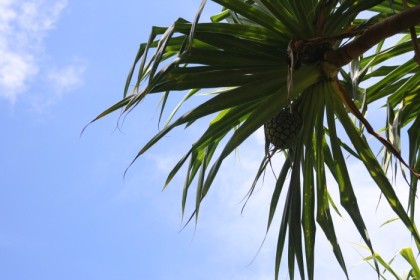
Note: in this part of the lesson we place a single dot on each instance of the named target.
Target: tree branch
(373, 35)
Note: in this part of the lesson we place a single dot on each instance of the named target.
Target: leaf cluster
(241, 61)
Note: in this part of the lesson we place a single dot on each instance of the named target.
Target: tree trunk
(373, 35)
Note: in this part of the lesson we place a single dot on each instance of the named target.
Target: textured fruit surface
(281, 131)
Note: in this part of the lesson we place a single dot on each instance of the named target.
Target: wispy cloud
(23, 27)
(58, 81)
(67, 78)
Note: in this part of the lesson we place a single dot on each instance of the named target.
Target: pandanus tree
(307, 72)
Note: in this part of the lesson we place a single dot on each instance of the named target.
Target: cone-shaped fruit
(282, 130)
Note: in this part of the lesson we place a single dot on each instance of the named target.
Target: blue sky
(66, 212)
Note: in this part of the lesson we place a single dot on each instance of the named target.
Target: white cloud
(15, 70)
(67, 78)
(39, 16)
(58, 81)
(23, 26)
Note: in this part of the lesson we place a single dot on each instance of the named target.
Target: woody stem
(373, 35)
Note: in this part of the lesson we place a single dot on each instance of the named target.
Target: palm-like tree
(306, 58)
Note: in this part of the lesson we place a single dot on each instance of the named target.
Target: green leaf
(277, 190)
(379, 89)
(323, 217)
(259, 116)
(347, 197)
(254, 14)
(408, 255)
(414, 160)
(295, 230)
(308, 213)
(374, 169)
(389, 221)
(282, 237)
(283, 14)
(385, 264)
